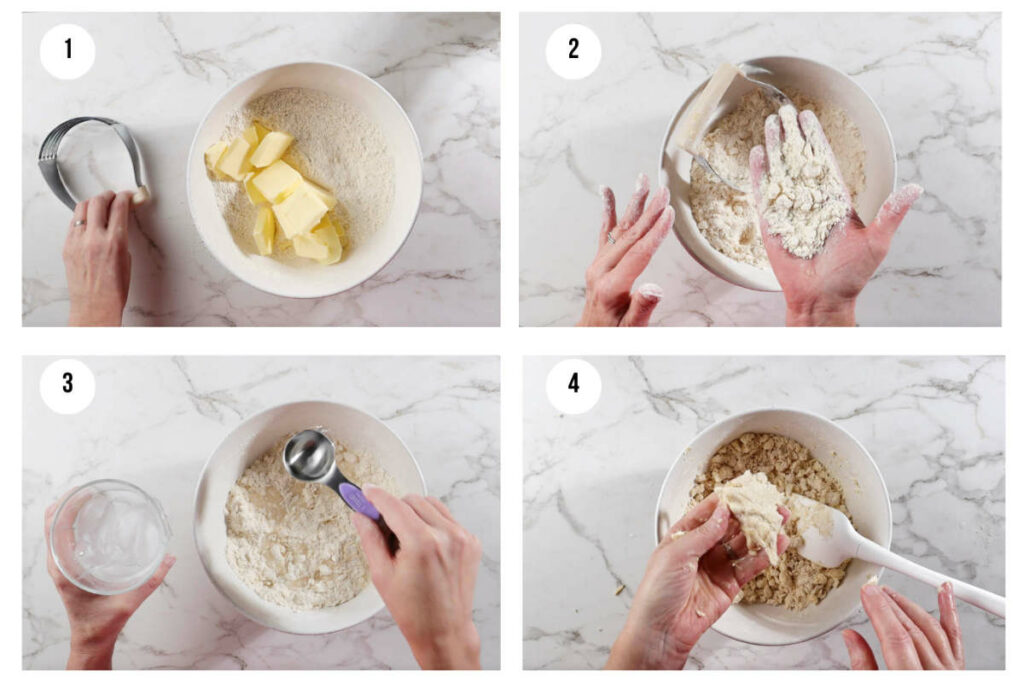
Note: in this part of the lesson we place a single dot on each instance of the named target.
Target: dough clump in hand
(755, 502)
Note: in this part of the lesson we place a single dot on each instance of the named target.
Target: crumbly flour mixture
(802, 193)
(755, 503)
(794, 582)
(728, 219)
(336, 146)
(294, 543)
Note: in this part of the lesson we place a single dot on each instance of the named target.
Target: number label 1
(68, 43)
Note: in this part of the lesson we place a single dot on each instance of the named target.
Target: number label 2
(574, 44)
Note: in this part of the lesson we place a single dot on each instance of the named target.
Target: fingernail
(370, 487)
(641, 182)
(650, 290)
(170, 560)
(871, 589)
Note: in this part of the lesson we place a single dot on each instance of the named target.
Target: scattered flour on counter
(294, 543)
(336, 146)
(728, 219)
(754, 502)
(802, 194)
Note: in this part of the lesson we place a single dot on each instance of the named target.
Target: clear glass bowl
(109, 536)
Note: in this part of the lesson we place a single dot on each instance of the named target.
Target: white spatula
(830, 539)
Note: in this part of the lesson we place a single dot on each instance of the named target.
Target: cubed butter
(325, 196)
(300, 211)
(251, 136)
(327, 233)
(276, 181)
(213, 154)
(235, 160)
(271, 148)
(310, 246)
(253, 192)
(261, 130)
(264, 231)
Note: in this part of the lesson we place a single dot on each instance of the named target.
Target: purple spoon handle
(355, 499)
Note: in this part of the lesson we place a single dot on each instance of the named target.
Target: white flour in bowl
(336, 146)
(294, 543)
(728, 219)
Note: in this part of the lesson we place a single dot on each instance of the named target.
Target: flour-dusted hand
(910, 637)
(96, 620)
(428, 585)
(625, 247)
(831, 253)
(96, 259)
(691, 579)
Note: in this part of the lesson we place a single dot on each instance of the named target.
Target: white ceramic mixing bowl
(866, 498)
(816, 80)
(300, 279)
(352, 427)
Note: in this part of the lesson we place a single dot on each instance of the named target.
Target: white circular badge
(573, 51)
(67, 51)
(573, 386)
(67, 386)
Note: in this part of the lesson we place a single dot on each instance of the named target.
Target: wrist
(822, 313)
(92, 316)
(652, 651)
(456, 650)
(91, 654)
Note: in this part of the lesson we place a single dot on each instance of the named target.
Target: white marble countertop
(936, 78)
(934, 426)
(154, 422)
(160, 73)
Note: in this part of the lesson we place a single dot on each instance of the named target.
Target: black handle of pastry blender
(355, 499)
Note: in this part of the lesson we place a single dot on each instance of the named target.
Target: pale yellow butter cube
(252, 136)
(310, 246)
(213, 154)
(271, 148)
(325, 196)
(300, 211)
(235, 160)
(255, 196)
(327, 233)
(264, 231)
(276, 181)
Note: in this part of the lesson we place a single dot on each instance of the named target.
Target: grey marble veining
(160, 73)
(936, 78)
(935, 427)
(154, 422)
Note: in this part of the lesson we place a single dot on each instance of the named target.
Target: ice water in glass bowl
(109, 536)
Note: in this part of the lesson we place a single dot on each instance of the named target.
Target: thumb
(702, 539)
(893, 210)
(642, 304)
(374, 546)
(861, 657)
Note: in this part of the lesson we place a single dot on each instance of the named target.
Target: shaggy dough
(794, 582)
(755, 503)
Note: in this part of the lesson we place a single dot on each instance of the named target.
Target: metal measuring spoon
(309, 457)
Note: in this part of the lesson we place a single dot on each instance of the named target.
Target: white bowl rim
(271, 289)
(202, 476)
(731, 277)
(806, 413)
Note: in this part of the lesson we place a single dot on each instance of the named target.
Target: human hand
(96, 620)
(823, 290)
(910, 637)
(428, 585)
(97, 261)
(624, 249)
(689, 583)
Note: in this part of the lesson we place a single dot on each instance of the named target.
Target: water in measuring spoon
(118, 538)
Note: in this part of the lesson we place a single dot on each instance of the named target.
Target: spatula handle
(707, 99)
(869, 551)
